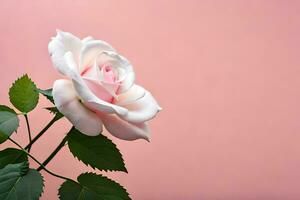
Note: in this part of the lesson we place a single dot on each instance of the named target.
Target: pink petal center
(102, 87)
(109, 74)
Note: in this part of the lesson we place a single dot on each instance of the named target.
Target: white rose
(100, 89)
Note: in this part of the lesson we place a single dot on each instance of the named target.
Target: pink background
(226, 74)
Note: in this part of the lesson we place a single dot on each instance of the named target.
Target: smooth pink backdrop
(225, 72)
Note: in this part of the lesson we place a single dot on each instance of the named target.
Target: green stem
(28, 130)
(41, 133)
(56, 150)
(41, 165)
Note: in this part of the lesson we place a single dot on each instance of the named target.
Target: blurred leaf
(9, 122)
(23, 94)
(97, 151)
(92, 187)
(19, 182)
(47, 93)
(12, 156)
(5, 108)
(56, 112)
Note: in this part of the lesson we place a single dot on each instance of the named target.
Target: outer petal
(140, 104)
(68, 104)
(90, 50)
(125, 130)
(59, 45)
(87, 39)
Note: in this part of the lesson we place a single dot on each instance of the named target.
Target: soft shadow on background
(225, 73)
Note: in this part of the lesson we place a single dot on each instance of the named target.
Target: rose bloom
(100, 89)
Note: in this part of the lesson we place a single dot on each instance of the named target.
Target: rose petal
(125, 130)
(59, 45)
(127, 82)
(67, 103)
(120, 63)
(90, 50)
(98, 90)
(111, 88)
(86, 95)
(134, 93)
(92, 72)
(87, 39)
(140, 104)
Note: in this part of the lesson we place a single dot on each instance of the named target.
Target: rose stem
(41, 165)
(41, 133)
(28, 130)
(56, 150)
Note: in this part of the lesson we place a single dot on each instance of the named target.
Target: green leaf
(9, 122)
(97, 151)
(23, 94)
(8, 109)
(47, 93)
(17, 182)
(53, 110)
(12, 156)
(92, 187)
(56, 112)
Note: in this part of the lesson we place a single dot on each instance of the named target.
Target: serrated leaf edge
(83, 187)
(104, 169)
(24, 75)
